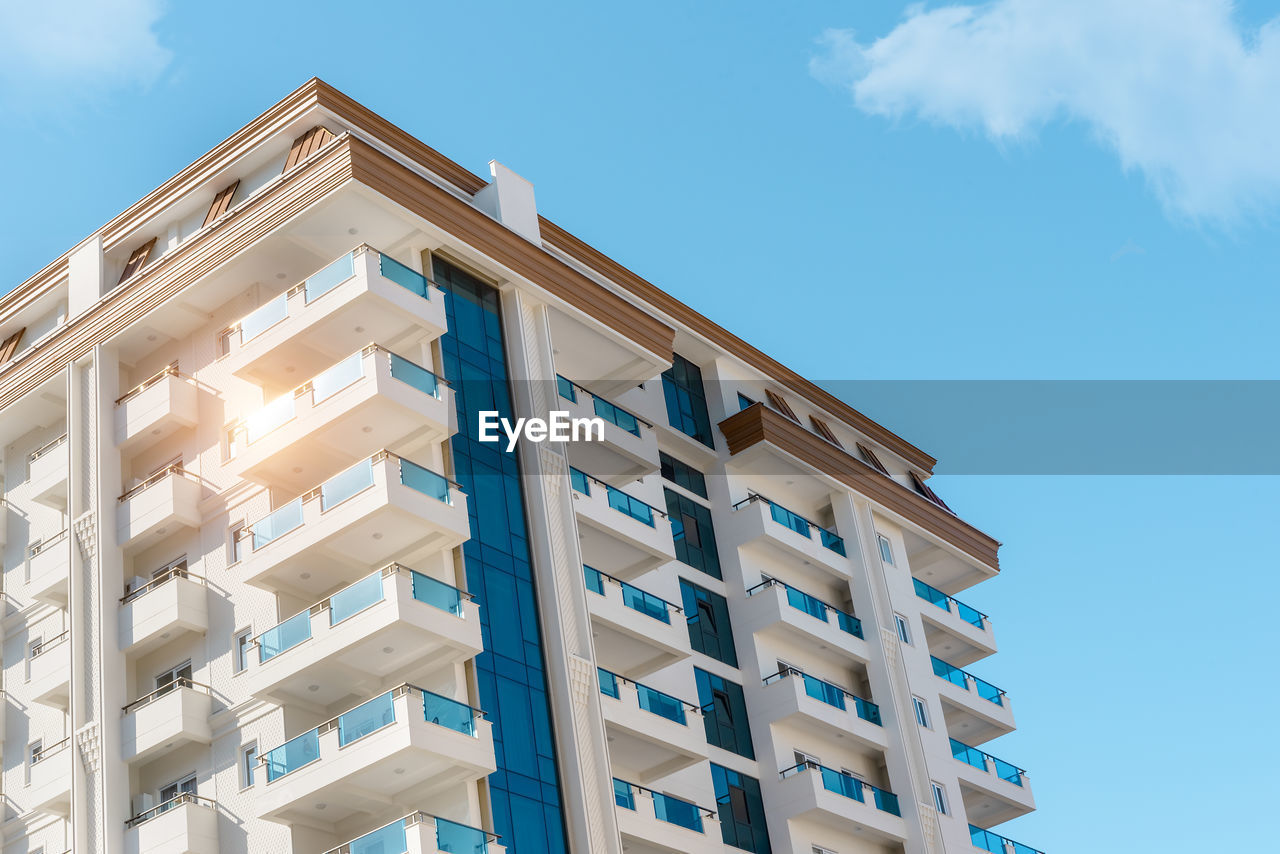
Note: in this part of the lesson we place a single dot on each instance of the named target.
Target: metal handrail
(810, 765)
(46, 448)
(618, 676)
(46, 543)
(161, 808)
(953, 600)
(609, 486)
(621, 583)
(45, 752)
(40, 648)
(706, 813)
(169, 688)
(1022, 772)
(795, 671)
(174, 569)
(152, 479)
(592, 394)
(169, 370)
(967, 675)
(755, 496)
(774, 582)
(414, 818)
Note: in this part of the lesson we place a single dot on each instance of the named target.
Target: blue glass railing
(832, 695)
(346, 484)
(650, 699)
(350, 601)
(633, 597)
(330, 277)
(848, 786)
(623, 795)
(934, 596)
(366, 718)
(284, 636)
(277, 523)
(263, 318)
(610, 412)
(802, 526)
(436, 593)
(452, 714)
(813, 606)
(997, 844)
(618, 500)
(424, 480)
(337, 377)
(962, 678)
(415, 375)
(293, 754)
(665, 807)
(984, 761)
(410, 280)
(454, 838)
(393, 838)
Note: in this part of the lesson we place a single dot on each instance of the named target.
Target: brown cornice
(721, 337)
(434, 204)
(758, 423)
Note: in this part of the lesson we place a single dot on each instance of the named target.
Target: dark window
(687, 400)
(741, 810)
(691, 531)
(744, 401)
(724, 713)
(682, 474)
(707, 614)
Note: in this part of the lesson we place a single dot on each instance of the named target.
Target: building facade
(268, 586)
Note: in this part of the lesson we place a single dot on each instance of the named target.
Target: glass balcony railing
(363, 720)
(284, 636)
(802, 526)
(848, 785)
(934, 596)
(409, 279)
(997, 844)
(962, 679)
(650, 699)
(665, 807)
(986, 762)
(618, 500)
(610, 412)
(393, 838)
(633, 597)
(832, 695)
(813, 606)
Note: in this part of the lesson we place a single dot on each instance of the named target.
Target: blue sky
(1024, 190)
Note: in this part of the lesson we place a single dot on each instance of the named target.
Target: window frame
(921, 710)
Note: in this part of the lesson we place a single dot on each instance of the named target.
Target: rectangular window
(886, 551)
(240, 650)
(185, 786)
(940, 799)
(235, 544)
(682, 474)
(741, 810)
(900, 622)
(687, 400)
(248, 763)
(691, 531)
(803, 758)
(34, 751)
(724, 713)
(174, 676)
(922, 712)
(707, 614)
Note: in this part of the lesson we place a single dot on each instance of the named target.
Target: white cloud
(83, 43)
(1175, 87)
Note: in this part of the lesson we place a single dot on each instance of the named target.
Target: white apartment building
(266, 590)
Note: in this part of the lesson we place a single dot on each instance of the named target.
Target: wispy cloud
(1176, 88)
(79, 45)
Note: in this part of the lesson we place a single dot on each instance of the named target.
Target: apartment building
(267, 587)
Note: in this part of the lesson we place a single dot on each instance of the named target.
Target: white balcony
(993, 791)
(388, 749)
(635, 632)
(158, 407)
(394, 621)
(161, 609)
(835, 803)
(970, 716)
(954, 631)
(775, 609)
(814, 705)
(49, 672)
(49, 570)
(382, 509)
(164, 502)
(49, 780)
(371, 400)
(650, 734)
(619, 534)
(628, 449)
(420, 833)
(168, 717)
(758, 523)
(188, 824)
(47, 473)
(655, 823)
(352, 301)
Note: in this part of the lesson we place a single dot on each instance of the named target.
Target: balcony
(994, 791)
(381, 509)
(774, 607)
(49, 671)
(49, 779)
(168, 499)
(175, 714)
(370, 400)
(173, 601)
(651, 734)
(626, 451)
(838, 802)
(394, 620)
(985, 840)
(635, 632)
(786, 536)
(973, 707)
(406, 744)
(361, 297)
(420, 833)
(49, 569)
(619, 534)
(653, 822)
(47, 473)
(952, 627)
(817, 705)
(187, 824)
(156, 408)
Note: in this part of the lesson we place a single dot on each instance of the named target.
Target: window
(687, 400)
(235, 545)
(682, 474)
(818, 849)
(900, 623)
(886, 551)
(744, 401)
(870, 458)
(779, 403)
(707, 614)
(691, 531)
(740, 809)
(820, 427)
(185, 786)
(174, 676)
(240, 650)
(248, 761)
(724, 713)
(233, 447)
(922, 712)
(940, 799)
(34, 751)
(803, 758)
